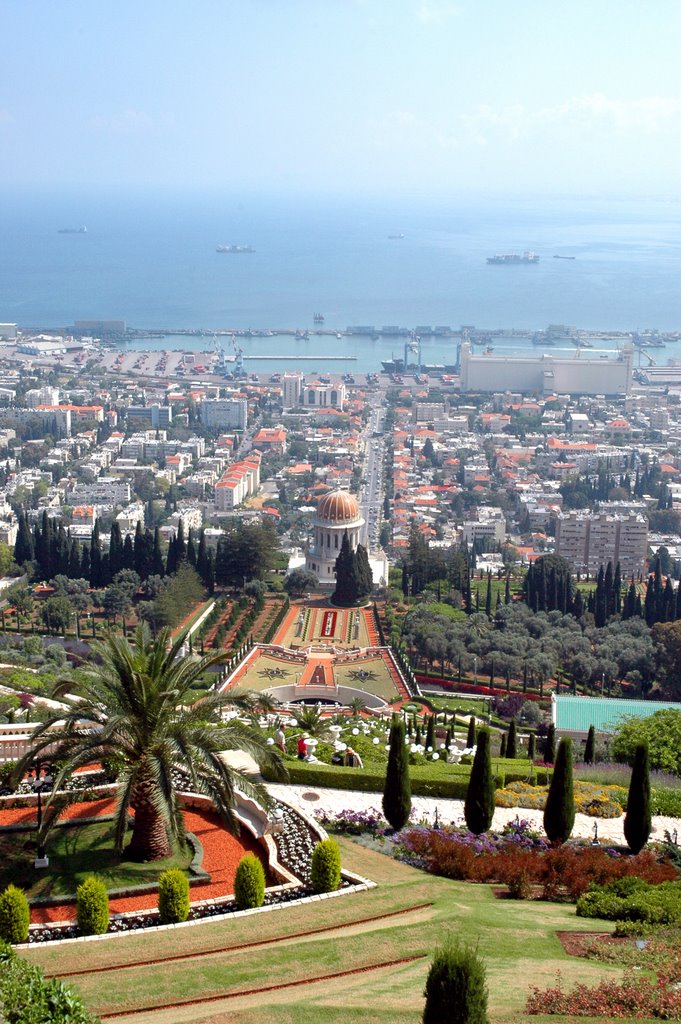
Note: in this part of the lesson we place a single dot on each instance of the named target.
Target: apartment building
(238, 482)
(224, 413)
(588, 540)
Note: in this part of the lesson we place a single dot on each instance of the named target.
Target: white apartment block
(490, 524)
(589, 540)
(42, 396)
(191, 517)
(107, 490)
(224, 413)
(130, 517)
(291, 389)
(238, 482)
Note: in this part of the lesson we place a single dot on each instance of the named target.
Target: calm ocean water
(151, 260)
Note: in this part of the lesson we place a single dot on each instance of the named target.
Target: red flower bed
(485, 691)
(634, 997)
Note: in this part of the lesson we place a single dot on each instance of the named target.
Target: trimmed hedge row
(426, 780)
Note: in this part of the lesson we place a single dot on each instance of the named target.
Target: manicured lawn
(517, 940)
(75, 851)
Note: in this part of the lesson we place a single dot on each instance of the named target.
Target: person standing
(280, 738)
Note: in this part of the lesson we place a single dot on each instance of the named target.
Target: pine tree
(479, 803)
(590, 748)
(397, 792)
(638, 819)
(559, 812)
(550, 745)
(511, 743)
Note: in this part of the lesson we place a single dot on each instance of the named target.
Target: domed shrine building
(337, 512)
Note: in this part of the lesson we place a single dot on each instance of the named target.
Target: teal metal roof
(576, 714)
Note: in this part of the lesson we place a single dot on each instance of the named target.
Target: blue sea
(151, 260)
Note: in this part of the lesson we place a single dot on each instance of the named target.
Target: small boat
(82, 230)
(557, 257)
(396, 236)
(234, 248)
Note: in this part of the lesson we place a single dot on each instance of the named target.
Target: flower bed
(596, 801)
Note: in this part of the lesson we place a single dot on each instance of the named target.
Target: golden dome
(338, 507)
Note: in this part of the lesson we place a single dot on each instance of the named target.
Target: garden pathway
(316, 800)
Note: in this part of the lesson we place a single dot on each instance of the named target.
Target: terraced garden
(328, 961)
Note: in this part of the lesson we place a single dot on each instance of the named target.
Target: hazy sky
(372, 96)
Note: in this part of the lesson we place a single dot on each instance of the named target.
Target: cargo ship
(82, 230)
(512, 258)
(234, 248)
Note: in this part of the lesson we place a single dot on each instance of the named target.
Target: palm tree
(137, 707)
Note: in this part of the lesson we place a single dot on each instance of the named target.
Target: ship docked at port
(513, 258)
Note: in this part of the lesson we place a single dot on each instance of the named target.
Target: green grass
(517, 940)
(76, 851)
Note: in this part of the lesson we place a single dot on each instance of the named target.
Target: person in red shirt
(302, 747)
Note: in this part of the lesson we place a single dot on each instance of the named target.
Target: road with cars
(371, 491)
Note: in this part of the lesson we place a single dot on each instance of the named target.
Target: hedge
(443, 781)
(325, 871)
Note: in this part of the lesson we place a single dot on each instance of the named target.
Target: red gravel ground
(221, 854)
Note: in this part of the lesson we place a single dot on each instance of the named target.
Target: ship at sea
(396, 236)
(512, 258)
(556, 256)
(318, 318)
(82, 230)
(234, 248)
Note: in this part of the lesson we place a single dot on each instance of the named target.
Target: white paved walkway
(315, 799)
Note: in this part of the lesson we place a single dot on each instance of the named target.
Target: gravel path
(331, 801)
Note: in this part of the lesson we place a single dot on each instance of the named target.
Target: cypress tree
(128, 556)
(559, 813)
(488, 596)
(470, 738)
(638, 819)
(507, 590)
(430, 732)
(210, 573)
(202, 556)
(590, 748)
(479, 803)
(344, 594)
(85, 562)
(512, 741)
(417, 734)
(531, 744)
(502, 745)
(96, 557)
(180, 544)
(365, 579)
(550, 745)
(397, 792)
(448, 738)
(191, 549)
(171, 559)
(578, 605)
(23, 548)
(617, 585)
(158, 568)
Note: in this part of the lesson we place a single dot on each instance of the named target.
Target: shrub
(633, 900)
(249, 883)
(27, 998)
(559, 813)
(517, 869)
(15, 916)
(325, 872)
(92, 904)
(479, 803)
(173, 896)
(456, 989)
(638, 820)
(397, 791)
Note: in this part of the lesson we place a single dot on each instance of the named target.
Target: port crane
(239, 370)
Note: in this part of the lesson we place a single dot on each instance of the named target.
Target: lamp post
(40, 785)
